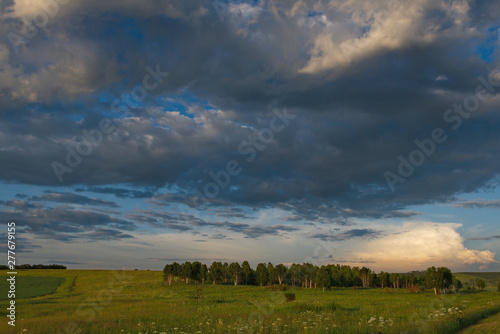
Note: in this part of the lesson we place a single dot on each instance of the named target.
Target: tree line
(35, 266)
(307, 275)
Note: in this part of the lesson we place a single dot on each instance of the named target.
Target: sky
(364, 133)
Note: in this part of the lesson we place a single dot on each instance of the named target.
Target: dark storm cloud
(235, 227)
(231, 213)
(352, 121)
(292, 218)
(19, 204)
(65, 223)
(172, 220)
(181, 221)
(70, 198)
(106, 234)
(141, 218)
(257, 231)
(23, 245)
(347, 235)
(219, 236)
(187, 222)
(495, 204)
(192, 201)
(119, 192)
(177, 227)
(319, 212)
(249, 231)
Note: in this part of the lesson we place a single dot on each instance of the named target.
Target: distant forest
(35, 266)
(307, 275)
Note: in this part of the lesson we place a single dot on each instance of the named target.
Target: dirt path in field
(487, 326)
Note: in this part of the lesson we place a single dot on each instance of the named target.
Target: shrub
(289, 296)
(421, 289)
(280, 287)
(498, 286)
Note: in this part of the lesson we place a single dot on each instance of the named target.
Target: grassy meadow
(29, 286)
(98, 301)
(470, 279)
(490, 325)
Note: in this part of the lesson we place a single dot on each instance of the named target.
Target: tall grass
(93, 301)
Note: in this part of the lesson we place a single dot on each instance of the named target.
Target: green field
(28, 286)
(92, 301)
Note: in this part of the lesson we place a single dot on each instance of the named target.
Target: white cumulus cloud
(418, 245)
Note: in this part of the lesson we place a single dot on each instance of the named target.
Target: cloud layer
(195, 110)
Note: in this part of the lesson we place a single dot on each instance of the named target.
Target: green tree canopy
(261, 274)
(216, 272)
(234, 271)
(481, 284)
